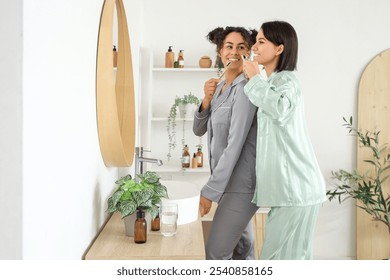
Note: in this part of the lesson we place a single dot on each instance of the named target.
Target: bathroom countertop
(113, 244)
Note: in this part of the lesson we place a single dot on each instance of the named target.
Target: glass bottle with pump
(186, 157)
(180, 59)
(169, 58)
(140, 228)
(194, 163)
(199, 157)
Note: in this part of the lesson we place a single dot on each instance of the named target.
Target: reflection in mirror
(115, 89)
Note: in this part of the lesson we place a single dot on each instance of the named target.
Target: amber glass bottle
(186, 157)
(156, 223)
(199, 157)
(180, 59)
(114, 56)
(140, 227)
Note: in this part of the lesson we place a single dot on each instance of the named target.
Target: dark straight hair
(281, 32)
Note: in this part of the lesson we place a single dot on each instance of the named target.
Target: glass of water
(168, 219)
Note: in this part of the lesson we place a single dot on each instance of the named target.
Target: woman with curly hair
(229, 119)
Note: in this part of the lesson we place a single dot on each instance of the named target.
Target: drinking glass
(168, 219)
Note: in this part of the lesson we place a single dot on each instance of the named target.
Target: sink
(186, 195)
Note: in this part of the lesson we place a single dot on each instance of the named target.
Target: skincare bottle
(186, 157)
(180, 59)
(140, 227)
(194, 163)
(169, 58)
(199, 157)
(156, 223)
(114, 56)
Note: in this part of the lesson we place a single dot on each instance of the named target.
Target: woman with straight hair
(291, 180)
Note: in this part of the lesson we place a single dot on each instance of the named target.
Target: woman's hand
(209, 89)
(251, 68)
(204, 205)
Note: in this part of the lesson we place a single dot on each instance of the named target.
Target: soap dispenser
(169, 58)
(194, 162)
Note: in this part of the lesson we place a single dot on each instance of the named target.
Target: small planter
(186, 110)
(186, 106)
(130, 220)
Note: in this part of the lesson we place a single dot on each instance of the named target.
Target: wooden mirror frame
(115, 96)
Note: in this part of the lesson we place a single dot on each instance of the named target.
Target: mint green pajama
(289, 179)
(294, 240)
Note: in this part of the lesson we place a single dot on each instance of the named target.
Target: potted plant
(179, 103)
(367, 188)
(132, 195)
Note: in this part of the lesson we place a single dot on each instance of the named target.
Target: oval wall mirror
(115, 89)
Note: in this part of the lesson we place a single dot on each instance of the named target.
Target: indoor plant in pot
(132, 195)
(366, 188)
(182, 104)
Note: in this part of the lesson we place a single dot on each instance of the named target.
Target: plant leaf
(127, 208)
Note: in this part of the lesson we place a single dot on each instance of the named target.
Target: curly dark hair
(218, 35)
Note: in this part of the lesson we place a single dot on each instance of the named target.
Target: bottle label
(186, 159)
(199, 159)
(181, 62)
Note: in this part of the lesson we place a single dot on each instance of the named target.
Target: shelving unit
(185, 69)
(159, 87)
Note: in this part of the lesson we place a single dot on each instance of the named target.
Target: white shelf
(177, 169)
(185, 69)
(165, 119)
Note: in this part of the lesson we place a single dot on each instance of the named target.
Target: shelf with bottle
(185, 69)
(171, 167)
(165, 119)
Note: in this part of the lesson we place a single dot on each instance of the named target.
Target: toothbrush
(226, 68)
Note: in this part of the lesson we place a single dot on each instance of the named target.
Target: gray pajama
(232, 234)
(231, 127)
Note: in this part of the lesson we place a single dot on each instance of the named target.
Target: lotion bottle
(194, 163)
(169, 58)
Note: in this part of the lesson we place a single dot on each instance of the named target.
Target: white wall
(60, 182)
(49, 112)
(337, 39)
(11, 129)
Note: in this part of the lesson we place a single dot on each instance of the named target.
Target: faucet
(140, 159)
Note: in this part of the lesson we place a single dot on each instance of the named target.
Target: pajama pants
(289, 233)
(232, 235)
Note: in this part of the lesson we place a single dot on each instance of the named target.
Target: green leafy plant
(132, 195)
(171, 126)
(367, 188)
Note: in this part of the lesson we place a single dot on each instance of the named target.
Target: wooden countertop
(113, 243)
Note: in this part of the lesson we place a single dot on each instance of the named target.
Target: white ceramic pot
(186, 110)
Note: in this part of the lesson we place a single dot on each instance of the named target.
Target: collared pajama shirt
(286, 163)
(230, 123)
